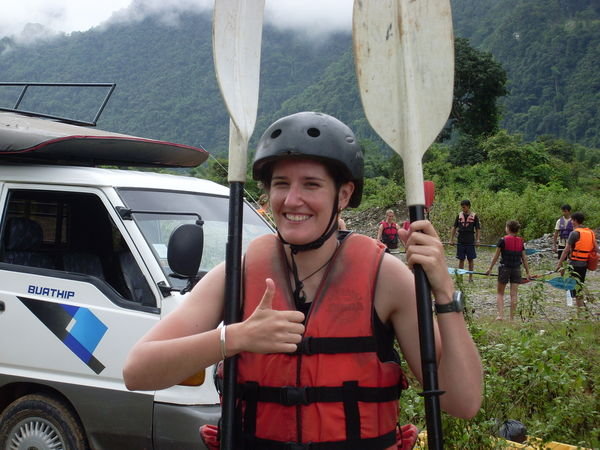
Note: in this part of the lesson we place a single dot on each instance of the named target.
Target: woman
(511, 249)
(388, 231)
(318, 312)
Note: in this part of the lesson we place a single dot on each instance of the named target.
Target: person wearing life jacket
(562, 230)
(321, 310)
(580, 244)
(468, 227)
(387, 232)
(511, 250)
(263, 209)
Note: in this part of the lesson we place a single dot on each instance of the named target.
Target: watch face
(457, 299)
(456, 305)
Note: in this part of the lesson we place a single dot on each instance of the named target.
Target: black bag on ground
(513, 430)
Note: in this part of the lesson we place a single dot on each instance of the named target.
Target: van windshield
(213, 210)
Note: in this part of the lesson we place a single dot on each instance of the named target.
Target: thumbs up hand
(271, 331)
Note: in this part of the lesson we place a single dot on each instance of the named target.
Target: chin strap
(332, 226)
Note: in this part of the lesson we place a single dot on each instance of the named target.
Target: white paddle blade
(237, 36)
(404, 56)
(404, 51)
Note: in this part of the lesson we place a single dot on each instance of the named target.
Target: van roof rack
(27, 85)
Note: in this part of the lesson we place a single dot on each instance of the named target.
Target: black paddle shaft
(233, 277)
(430, 392)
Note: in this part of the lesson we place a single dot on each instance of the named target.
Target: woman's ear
(344, 195)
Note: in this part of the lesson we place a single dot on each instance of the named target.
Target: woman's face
(302, 194)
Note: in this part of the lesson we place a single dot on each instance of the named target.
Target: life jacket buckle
(305, 347)
(292, 396)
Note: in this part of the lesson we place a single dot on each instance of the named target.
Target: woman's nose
(294, 195)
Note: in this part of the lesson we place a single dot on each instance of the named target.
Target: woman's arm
(186, 341)
(182, 343)
(494, 259)
(525, 263)
(459, 366)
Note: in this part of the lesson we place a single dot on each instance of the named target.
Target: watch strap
(456, 305)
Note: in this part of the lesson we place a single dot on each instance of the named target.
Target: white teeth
(296, 217)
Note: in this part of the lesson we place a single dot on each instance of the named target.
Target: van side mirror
(184, 251)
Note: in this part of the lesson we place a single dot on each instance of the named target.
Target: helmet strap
(317, 243)
(299, 296)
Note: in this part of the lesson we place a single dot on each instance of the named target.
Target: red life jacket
(584, 246)
(512, 251)
(334, 391)
(389, 234)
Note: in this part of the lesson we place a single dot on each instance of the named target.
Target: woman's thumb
(267, 300)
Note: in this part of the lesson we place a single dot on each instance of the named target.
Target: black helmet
(316, 136)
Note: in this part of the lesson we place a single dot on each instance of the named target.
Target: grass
(542, 369)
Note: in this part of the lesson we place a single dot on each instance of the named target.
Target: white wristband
(223, 342)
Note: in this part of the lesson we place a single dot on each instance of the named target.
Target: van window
(213, 210)
(73, 233)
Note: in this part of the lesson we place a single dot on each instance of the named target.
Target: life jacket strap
(378, 443)
(293, 395)
(316, 345)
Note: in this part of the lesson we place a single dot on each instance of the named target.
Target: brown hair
(513, 226)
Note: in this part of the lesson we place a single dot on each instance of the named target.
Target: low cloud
(311, 18)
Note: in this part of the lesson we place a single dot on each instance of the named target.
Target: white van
(84, 274)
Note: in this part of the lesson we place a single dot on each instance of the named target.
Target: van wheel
(40, 422)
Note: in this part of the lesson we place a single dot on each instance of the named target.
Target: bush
(545, 376)
(537, 209)
(381, 192)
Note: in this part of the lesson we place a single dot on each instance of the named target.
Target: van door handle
(1, 306)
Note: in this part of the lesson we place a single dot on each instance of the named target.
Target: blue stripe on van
(81, 338)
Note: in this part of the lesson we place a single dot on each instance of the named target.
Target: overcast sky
(65, 16)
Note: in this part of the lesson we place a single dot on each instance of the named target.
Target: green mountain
(551, 51)
(166, 88)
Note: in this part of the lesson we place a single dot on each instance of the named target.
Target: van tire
(40, 421)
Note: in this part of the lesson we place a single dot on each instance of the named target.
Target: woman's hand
(268, 330)
(423, 246)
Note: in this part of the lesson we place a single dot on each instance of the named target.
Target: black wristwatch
(456, 305)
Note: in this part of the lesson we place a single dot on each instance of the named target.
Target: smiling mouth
(297, 217)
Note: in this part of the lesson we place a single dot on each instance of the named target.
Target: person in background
(511, 250)
(263, 203)
(580, 244)
(387, 232)
(562, 230)
(468, 227)
(321, 310)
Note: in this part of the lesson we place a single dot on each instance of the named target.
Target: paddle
(237, 34)
(565, 283)
(455, 271)
(404, 55)
(429, 196)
